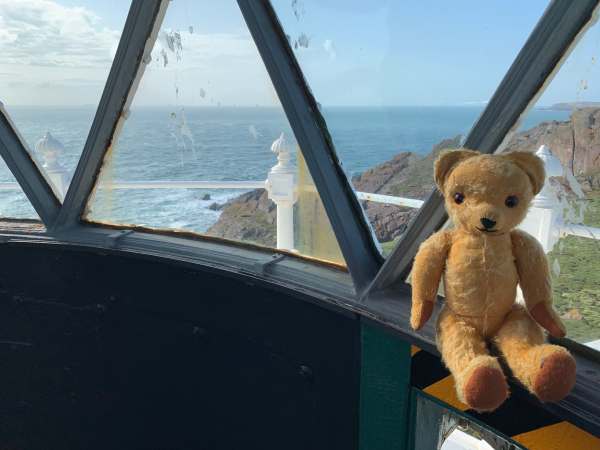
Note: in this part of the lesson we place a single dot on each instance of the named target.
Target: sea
(221, 144)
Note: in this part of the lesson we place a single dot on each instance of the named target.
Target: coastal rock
(405, 175)
(250, 217)
(576, 142)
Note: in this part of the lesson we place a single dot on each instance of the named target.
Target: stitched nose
(487, 223)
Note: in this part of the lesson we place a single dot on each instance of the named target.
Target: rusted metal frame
(139, 34)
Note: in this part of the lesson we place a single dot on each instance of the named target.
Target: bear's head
(488, 194)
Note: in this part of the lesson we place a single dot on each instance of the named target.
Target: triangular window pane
(55, 60)
(13, 202)
(566, 120)
(204, 121)
(399, 81)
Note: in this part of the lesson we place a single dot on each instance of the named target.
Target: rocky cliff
(251, 217)
(405, 175)
(576, 142)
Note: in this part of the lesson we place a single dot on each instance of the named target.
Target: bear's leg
(548, 371)
(479, 379)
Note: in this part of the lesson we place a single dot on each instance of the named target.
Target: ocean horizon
(227, 144)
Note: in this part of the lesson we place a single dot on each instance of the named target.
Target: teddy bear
(482, 259)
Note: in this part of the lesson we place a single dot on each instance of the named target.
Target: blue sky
(372, 53)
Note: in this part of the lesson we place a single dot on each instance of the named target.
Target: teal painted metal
(384, 390)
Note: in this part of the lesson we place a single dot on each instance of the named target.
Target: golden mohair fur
(482, 259)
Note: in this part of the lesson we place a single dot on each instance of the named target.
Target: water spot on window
(191, 29)
(202, 93)
(182, 133)
(303, 40)
(298, 8)
(556, 267)
(172, 39)
(253, 132)
(330, 48)
(165, 57)
(171, 43)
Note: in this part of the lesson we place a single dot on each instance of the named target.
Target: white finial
(49, 147)
(279, 144)
(284, 156)
(555, 169)
(551, 163)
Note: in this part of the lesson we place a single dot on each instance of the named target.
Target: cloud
(45, 33)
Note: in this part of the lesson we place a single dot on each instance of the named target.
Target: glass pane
(13, 202)
(205, 131)
(439, 427)
(398, 81)
(566, 119)
(56, 56)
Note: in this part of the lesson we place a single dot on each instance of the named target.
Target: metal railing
(544, 219)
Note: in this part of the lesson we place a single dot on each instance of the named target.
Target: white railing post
(281, 187)
(544, 218)
(50, 148)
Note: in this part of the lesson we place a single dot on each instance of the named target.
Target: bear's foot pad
(485, 389)
(556, 377)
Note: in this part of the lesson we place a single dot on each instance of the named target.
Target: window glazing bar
(13, 150)
(343, 210)
(550, 40)
(139, 34)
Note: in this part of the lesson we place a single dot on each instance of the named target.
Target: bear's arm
(426, 275)
(534, 278)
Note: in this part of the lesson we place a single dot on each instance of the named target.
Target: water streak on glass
(205, 117)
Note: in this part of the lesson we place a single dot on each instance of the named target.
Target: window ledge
(581, 407)
(317, 283)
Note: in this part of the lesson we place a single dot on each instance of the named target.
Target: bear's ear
(446, 162)
(532, 166)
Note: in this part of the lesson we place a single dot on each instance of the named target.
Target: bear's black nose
(487, 223)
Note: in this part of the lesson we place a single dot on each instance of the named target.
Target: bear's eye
(459, 198)
(511, 201)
